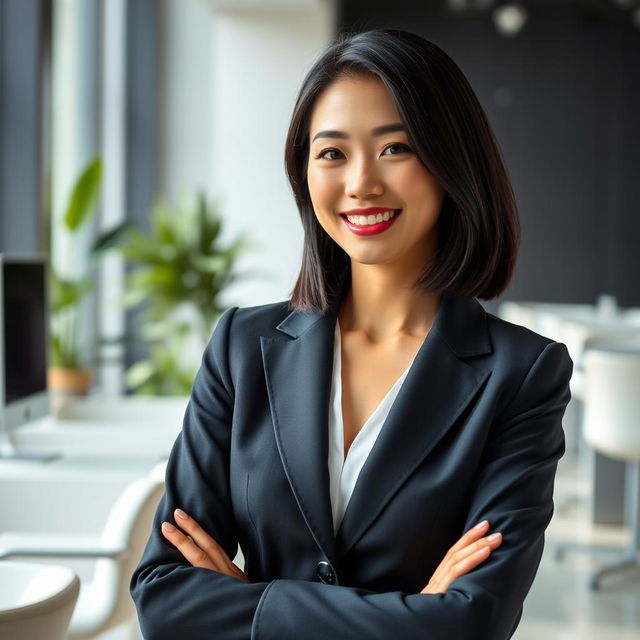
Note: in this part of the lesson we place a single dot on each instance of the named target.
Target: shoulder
(526, 361)
(234, 346)
(257, 320)
(238, 329)
(508, 337)
(487, 340)
(521, 344)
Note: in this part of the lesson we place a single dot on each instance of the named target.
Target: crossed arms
(175, 597)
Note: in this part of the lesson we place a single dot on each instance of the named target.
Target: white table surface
(104, 444)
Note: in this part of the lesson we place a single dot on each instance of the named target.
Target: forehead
(351, 101)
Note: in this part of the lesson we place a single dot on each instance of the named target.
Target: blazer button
(325, 572)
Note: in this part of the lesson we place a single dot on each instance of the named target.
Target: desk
(104, 444)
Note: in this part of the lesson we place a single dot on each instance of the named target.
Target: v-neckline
(366, 426)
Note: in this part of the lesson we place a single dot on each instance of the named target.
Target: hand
(198, 547)
(471, 550)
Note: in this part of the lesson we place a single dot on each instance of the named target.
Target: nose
(362, 181)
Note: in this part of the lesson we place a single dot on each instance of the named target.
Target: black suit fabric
(475, 433)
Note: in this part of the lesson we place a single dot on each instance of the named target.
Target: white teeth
(363, 221)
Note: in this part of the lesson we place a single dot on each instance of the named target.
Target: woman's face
(360, 163)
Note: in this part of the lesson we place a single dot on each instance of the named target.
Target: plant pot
(65, 384)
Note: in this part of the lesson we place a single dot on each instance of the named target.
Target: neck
(382, 303)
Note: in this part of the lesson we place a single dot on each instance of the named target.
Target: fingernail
(181, 514)
(480, 524)
(493, 536)
(168, 527)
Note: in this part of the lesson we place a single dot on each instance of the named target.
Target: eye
(323, 154)
(396, 145)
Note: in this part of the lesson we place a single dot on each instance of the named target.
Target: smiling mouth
(371, 219)
(369, 225)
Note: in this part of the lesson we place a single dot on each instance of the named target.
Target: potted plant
(179, 271)
(69, 368)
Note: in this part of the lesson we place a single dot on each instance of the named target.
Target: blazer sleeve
(513, 490)
(173, 598)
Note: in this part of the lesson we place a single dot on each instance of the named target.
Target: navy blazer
(475, 432)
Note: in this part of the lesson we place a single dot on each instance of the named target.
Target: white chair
(104, 602)
(36, 601)
(611, 426)
(580, 336)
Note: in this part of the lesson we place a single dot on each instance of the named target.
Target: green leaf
(139, 373)
(84, 195)
(110, 239)
(178, 276)
(56, 351)
(160, 225)
(130, 298)
(163, 329)
(209, 222)
(67, 293)
(210, 264)
(138, 247)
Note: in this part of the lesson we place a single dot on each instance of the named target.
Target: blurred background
(142, 192)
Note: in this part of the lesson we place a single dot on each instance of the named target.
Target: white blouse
(343, 473)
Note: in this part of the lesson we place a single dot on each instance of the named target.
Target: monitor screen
(25, 349)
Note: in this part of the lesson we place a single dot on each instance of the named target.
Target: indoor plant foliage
(179, 271)
(69, 359)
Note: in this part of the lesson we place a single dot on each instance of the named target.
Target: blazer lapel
(438, 387)
(298, 371)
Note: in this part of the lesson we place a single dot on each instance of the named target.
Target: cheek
(416, 183)
(322, 200)
(322, 189)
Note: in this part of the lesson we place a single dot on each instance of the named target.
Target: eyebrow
(376, 131)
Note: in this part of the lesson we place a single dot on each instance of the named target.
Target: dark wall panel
(21, 24)
(563, 97)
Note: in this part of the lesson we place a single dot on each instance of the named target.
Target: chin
(369, 259)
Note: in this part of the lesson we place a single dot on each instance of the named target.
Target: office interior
(153, 111)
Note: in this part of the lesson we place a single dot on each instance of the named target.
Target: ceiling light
(509, 18)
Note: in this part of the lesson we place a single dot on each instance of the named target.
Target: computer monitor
(24, 338)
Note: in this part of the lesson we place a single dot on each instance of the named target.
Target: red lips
(370, 229)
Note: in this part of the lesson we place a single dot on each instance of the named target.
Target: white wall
(74, 139)
(231, 72)
(259, 60)
(186, 90)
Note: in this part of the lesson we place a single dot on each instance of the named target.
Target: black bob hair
(478, 226)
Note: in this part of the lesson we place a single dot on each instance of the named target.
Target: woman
(382, 449)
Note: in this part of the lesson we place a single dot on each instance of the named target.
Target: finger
(458, 570)
(187, 547)
(465, 560)
(493, 541)
(467, 564)
(471, 535)
(444, 569)
(203, 540)
(197, 556)
(240, 574)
